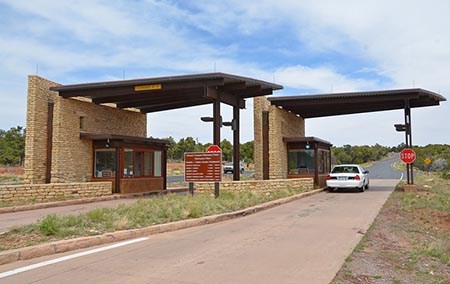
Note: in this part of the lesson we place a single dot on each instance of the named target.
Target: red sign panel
(213, 148)
(203, 167)
(408, 155)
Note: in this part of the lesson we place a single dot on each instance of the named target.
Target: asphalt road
(305, 241)
(384, 170)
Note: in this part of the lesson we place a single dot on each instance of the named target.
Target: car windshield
(345, 170)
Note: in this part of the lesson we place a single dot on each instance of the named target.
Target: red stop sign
(408, 155)
(213, 148)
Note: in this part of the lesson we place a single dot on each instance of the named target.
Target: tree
(12, 146)
(247, 152)
(227, 150)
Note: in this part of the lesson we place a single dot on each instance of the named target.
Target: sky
(309, 47)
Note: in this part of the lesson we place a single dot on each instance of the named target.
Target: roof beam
(176, 105)
(250, 92)
(225, 97)
(157, 96)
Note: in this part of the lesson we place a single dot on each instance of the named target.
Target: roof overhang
(310, 139)
(165, 93)
(123, 138)
(310, 106)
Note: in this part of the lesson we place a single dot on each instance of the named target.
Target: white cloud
(398, 44)
(321, 79)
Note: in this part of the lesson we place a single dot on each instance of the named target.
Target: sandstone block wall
(54, 191)
(304, 184)
(72, 158)
(281, 124)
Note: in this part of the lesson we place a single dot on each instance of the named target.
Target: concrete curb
(81, 201)
(86, 242)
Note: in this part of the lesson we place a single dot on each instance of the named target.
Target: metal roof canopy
(310, 106)
(123, 138)
(166, 93)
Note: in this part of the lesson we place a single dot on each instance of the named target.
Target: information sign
(203, 167)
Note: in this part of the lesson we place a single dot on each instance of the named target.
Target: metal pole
(191, 188)
(236, 144)
(216, 134)
(406, 137)
(409, 129)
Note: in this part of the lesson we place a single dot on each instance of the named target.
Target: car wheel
(361, 189)
(330, 189)
(367, 186)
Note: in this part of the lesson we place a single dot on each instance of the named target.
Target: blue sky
(307, 46)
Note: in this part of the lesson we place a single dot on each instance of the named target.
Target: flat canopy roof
(310, 139)
(310, 106)
(165, 93)
(123, 138)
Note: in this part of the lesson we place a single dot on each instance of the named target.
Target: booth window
(324, 163)
(301, 161)
(128, 163)
(158, 164)
(141, 163)
(105, 163)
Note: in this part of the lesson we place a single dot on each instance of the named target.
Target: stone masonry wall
(71, 157)
(305, 184)
(54, 191)
(281, 124)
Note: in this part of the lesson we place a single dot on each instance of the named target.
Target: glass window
(138, 163)
(301, 161)
(158, 163)
(324, 162)
(148, 163)
(128, 169)
(105, 163)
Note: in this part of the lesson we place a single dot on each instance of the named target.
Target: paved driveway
(305, 241)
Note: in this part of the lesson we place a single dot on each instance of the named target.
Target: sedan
(348, 177)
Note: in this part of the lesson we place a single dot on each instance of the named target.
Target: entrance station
(310, 106)
(97, 131)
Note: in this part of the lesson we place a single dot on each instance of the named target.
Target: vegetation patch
(143, 213)
(409, 241)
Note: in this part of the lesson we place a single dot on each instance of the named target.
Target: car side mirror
(366, 171)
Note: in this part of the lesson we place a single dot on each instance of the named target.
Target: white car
(228, 168)
(348, 177)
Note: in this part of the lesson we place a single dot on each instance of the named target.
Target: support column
(265, 144)
(236, 144)
(48, 164)
(217, 123)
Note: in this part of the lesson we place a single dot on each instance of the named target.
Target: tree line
(438, 155)
(176, 150)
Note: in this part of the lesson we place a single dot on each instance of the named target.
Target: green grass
(143, 213)
(430, 206)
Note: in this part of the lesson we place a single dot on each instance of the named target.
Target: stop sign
(213, 148)
(408, 155)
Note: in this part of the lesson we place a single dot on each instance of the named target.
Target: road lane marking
(68, 257)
